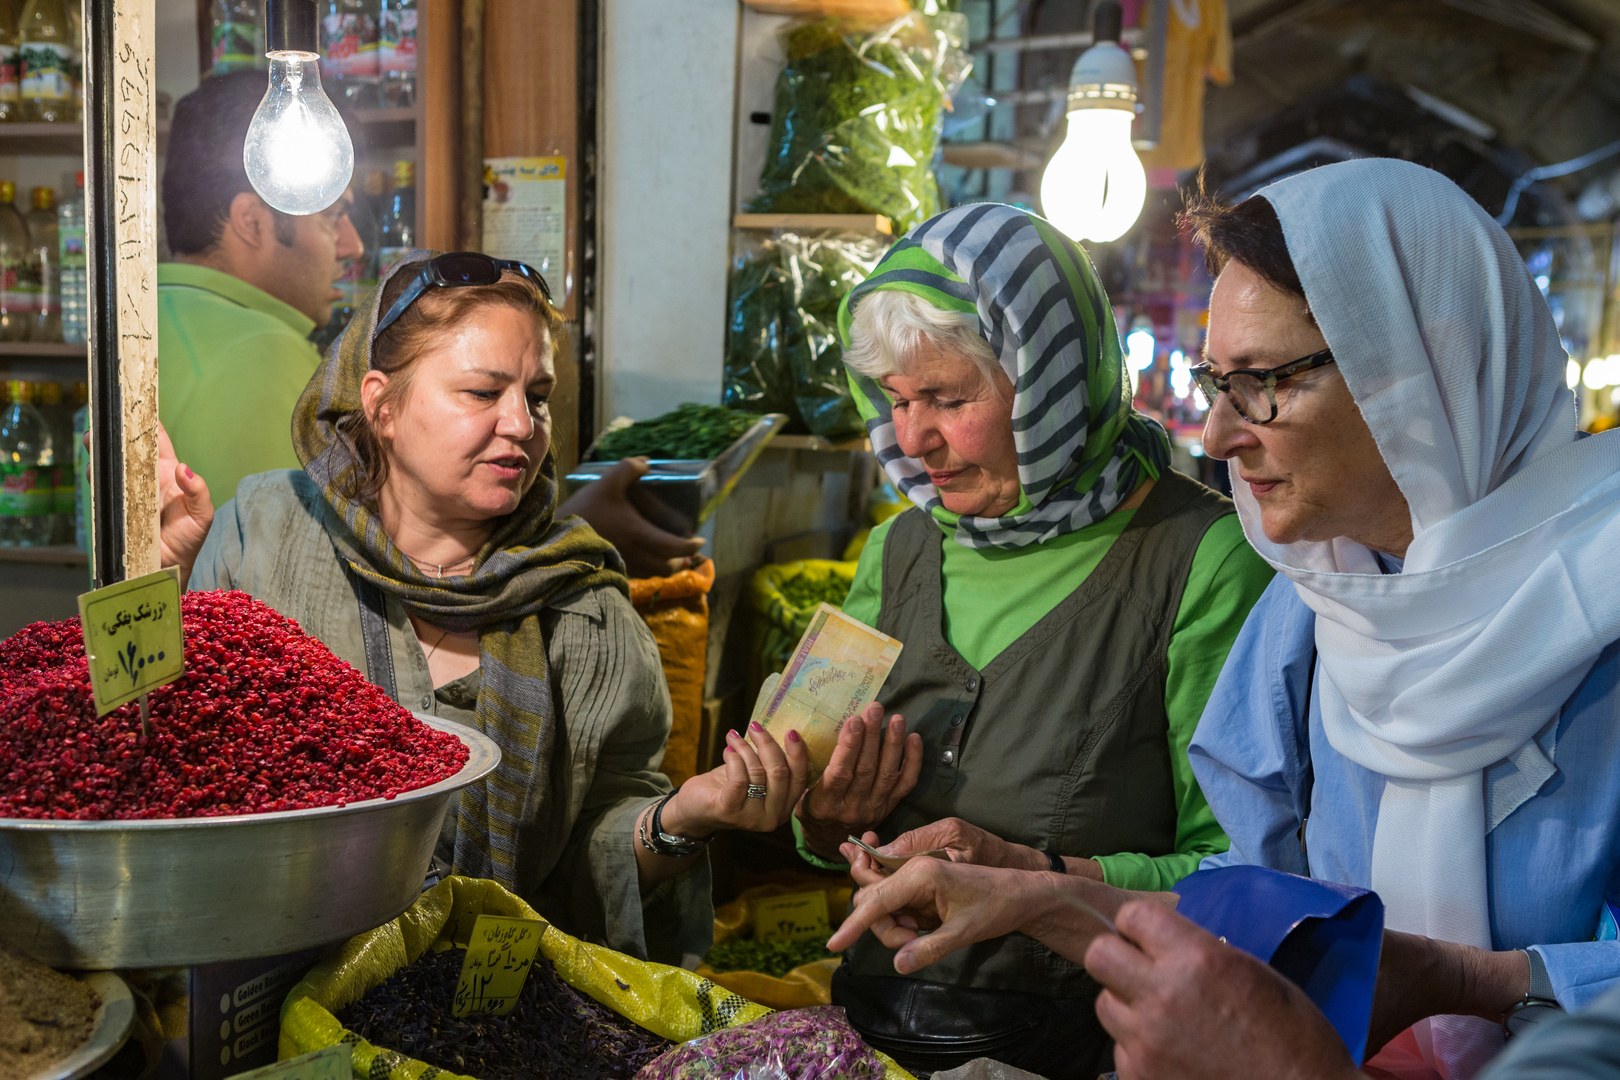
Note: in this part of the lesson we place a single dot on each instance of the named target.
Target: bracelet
(1057, 863)
(661, 842)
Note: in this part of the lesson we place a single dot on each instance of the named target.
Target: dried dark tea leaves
(554, 1033)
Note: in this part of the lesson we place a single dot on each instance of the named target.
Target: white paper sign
(526, 214)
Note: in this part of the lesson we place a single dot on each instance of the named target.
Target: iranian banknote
(835, 672)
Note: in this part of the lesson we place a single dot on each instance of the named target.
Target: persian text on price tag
(794, 917)
(132, 637)
(500, 953)
(327, 1063)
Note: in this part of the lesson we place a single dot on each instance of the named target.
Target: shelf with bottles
(44, 350)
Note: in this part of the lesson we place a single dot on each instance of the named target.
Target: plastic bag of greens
(799, 1044)
(782, 349)
(786, 595)
(857, 115)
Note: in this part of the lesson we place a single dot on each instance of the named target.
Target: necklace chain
(438, 568)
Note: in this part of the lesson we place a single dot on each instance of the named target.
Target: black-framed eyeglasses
(1253, 391)
(458, 269)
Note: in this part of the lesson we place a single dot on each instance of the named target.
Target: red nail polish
(793, 736)
(755, 726)
(189, 473)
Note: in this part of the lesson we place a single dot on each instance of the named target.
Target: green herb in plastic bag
(775, 958)
(690, 432)
(857, 117)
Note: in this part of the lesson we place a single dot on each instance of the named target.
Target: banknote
(835, 672)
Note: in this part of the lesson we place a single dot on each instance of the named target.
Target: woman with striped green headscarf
(420, 544)
(1065, 601)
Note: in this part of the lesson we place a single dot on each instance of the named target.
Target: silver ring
(756, 791)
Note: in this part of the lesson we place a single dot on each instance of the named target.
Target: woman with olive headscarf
(1065, 601)
(1424, 703)
(420, 543)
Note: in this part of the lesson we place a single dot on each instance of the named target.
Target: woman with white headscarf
(1424, 702)
(1446, 543)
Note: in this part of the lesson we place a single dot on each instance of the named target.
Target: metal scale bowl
(98, 895)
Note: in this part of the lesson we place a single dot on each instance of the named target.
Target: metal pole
(101, 214)
(1152, 120)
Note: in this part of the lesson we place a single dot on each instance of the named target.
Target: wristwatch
(1538, 1005)
(662, 843)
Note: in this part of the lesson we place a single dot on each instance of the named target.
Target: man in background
(247, 286)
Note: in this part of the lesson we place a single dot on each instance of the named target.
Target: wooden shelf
(865, 223)
(43, 350)
(58, 555)
(386, 129)
(63, 139)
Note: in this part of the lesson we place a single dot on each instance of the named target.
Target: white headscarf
(1506, 597)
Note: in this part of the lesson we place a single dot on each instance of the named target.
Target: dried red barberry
(264, 718)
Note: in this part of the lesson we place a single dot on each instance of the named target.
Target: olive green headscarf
(529, 562)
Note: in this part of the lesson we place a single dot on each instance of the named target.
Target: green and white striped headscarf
(1082, 449)
(530, 562)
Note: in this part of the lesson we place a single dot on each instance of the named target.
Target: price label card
(327, 1063)
(793, 917)
(132, 637)
(500, 953)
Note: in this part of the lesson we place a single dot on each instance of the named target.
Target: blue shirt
(1266, 767)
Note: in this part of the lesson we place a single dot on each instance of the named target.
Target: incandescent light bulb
(1094, 185)
(298, 154)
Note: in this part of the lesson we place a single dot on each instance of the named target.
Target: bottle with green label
(49, 59)
(10, 93)
(238, 36)
(27, 471)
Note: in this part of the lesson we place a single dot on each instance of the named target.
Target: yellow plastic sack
(806, 985)
(676, 610)
(786, 595)
(668, 1001)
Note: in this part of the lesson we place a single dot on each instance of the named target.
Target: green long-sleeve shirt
(993, 596)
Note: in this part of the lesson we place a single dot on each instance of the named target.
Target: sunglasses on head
(455, 270)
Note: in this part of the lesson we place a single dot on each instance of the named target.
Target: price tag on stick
(327, 1063)
(500, 953)
(133, 638)
(793, 917)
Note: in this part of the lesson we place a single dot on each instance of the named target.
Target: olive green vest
(1061, 742)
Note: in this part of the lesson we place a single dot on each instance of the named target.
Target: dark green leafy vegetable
(857, 118)
(782, 351)
(766, 957)
(692, 432)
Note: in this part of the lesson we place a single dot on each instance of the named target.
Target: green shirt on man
(232, 362)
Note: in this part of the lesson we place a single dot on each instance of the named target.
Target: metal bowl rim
(482, 758)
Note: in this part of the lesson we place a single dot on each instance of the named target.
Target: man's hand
(1183, 1006)
(185, 510)
(649, 548)
(873, 766)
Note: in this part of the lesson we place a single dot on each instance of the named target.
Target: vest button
(956, 721)
(972, 685)
(948, 757)
(427, 702)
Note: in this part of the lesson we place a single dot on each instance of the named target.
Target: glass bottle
(349, 50)
(49, 57)
(396, 52)
(75, 272)
(58, 414)
(45, 247)
(81, 466)
(27, 458)
(19, 277)
(10, 89)
(398, 234)
(237, 36)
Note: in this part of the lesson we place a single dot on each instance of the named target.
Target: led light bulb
(298, 154)
(1095, 185)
